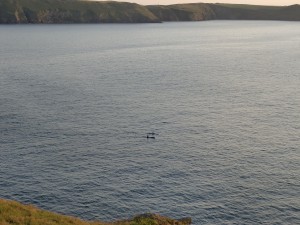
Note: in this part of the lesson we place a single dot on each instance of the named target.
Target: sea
(220, 98)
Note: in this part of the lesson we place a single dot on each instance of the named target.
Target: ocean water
(77, 101)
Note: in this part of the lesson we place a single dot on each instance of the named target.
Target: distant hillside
(14, 213)
(203, 11)
(72, 11)
(183, 12)
(76, 11)
(255, 12)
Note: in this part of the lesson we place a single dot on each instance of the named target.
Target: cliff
(203, 11)
(183, 12)
(14, 213)
(68, 11)
(255, 12)
(80, 11)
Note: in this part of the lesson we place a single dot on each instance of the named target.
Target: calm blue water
(76, 103)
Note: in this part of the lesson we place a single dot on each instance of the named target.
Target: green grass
(14, 213)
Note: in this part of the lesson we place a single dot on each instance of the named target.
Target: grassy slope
(14, 213)
(68, 11)
(256, 12)
(201, 11)
(183, 12)
(245, 12)
(76, 11)
(245, 6)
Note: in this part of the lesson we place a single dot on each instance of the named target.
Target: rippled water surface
(76, 103)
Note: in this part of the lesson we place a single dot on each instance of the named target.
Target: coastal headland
(81, 11)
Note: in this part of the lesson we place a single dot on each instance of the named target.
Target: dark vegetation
(14, 213)
(255, 12)
(76, 11)
(183, 12)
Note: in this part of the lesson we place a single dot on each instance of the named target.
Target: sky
(253, 2)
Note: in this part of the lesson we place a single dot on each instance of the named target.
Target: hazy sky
(256, 2)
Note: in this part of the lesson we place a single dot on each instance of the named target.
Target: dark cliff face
(8, 11)
(76, 11)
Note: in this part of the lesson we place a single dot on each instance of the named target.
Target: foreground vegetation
(81, 11)
(14, 213)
